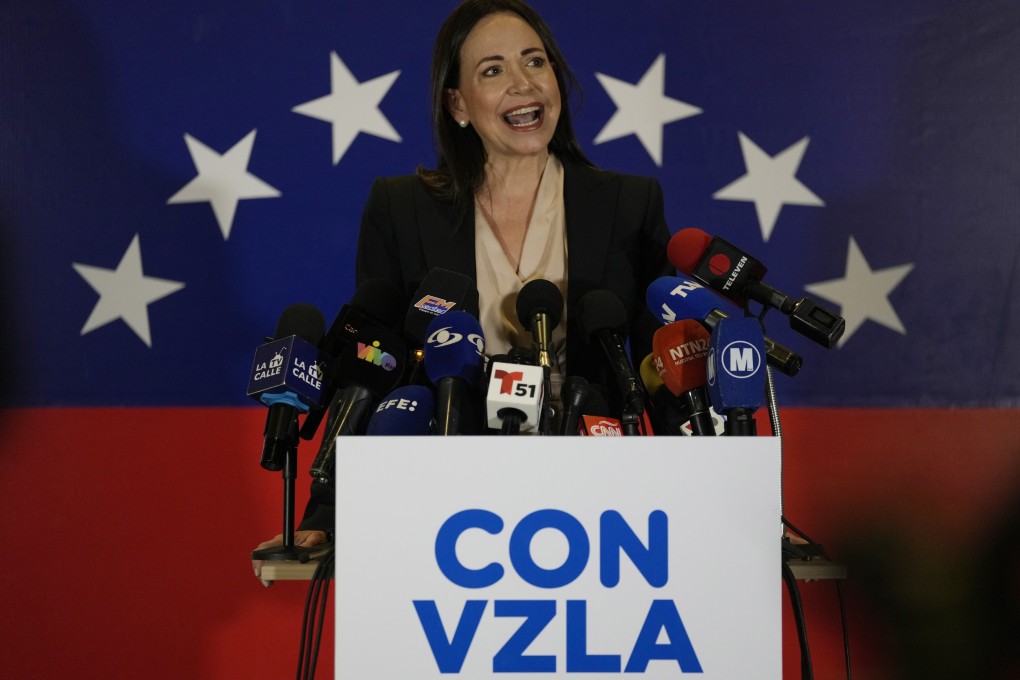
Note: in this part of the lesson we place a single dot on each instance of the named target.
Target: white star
(769, 182)
(863, 293)
(351, 107)
(125, 293)
(223, 180)
(643, 109)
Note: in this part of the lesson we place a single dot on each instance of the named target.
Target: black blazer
(616, 240)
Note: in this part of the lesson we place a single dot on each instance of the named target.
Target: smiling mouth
(523, 117)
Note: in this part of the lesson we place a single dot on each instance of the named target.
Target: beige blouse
(543, 256)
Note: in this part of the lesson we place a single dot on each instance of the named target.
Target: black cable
(314, 613)
(846, 635)
(806, 672)
(308, 628)
(839, 592)
(324, 573)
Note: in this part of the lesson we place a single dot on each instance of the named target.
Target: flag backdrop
(173, 176)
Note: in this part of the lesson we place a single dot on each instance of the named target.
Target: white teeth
(523, 111)
(527, 109)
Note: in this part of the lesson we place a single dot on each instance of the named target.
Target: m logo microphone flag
(174, 178)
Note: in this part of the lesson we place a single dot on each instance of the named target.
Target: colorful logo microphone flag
(172, 177)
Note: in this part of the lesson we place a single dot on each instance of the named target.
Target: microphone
(595, 418)
(680, 350)
(376, 302)
(539, 308)
(671, 298)
(602, 318)
(453, 357)
(370, 365)
(406, 411)
(668, 413)
(513, 401)
(287, 376)
(737, 276)
(574, 394)
(736, 376)
(441, 291)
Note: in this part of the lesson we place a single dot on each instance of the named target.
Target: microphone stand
(547, 413)
(288, 551)
(629, 420)
(511, 419)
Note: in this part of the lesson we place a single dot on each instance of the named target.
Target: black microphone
(376, 302)
(574, 394)
(602, 318)
(596, 416)
(441, 291)
(737, 276)
(370, 365)
(287, 376)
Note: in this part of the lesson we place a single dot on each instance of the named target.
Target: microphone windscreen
(686, 247)
(681, 352)
(575, 390)
(440, 292)
(649, 374)
(382, 300)
(670, 298)
(600, 310)
(454, 348)
(406, 411)
(598, 402)
(303, 320)
(540, 296)
(374, 359)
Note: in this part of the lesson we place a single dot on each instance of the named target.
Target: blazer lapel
(446, 241)
(590, 203)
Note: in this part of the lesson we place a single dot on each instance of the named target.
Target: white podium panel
(558, 557)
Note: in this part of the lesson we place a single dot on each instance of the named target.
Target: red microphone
(680, 353)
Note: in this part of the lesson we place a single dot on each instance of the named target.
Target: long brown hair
(461, 157)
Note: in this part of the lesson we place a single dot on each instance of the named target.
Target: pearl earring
(463, 123)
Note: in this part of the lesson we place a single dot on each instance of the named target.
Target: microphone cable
(315, 615)
(806, 672)
(839, 592)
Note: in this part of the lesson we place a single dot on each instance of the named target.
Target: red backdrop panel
(127, 535)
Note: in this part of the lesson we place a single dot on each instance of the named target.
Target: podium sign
(558, 557)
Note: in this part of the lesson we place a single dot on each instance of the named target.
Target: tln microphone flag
(173, 176)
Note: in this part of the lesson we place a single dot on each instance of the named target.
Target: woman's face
(507, 88)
